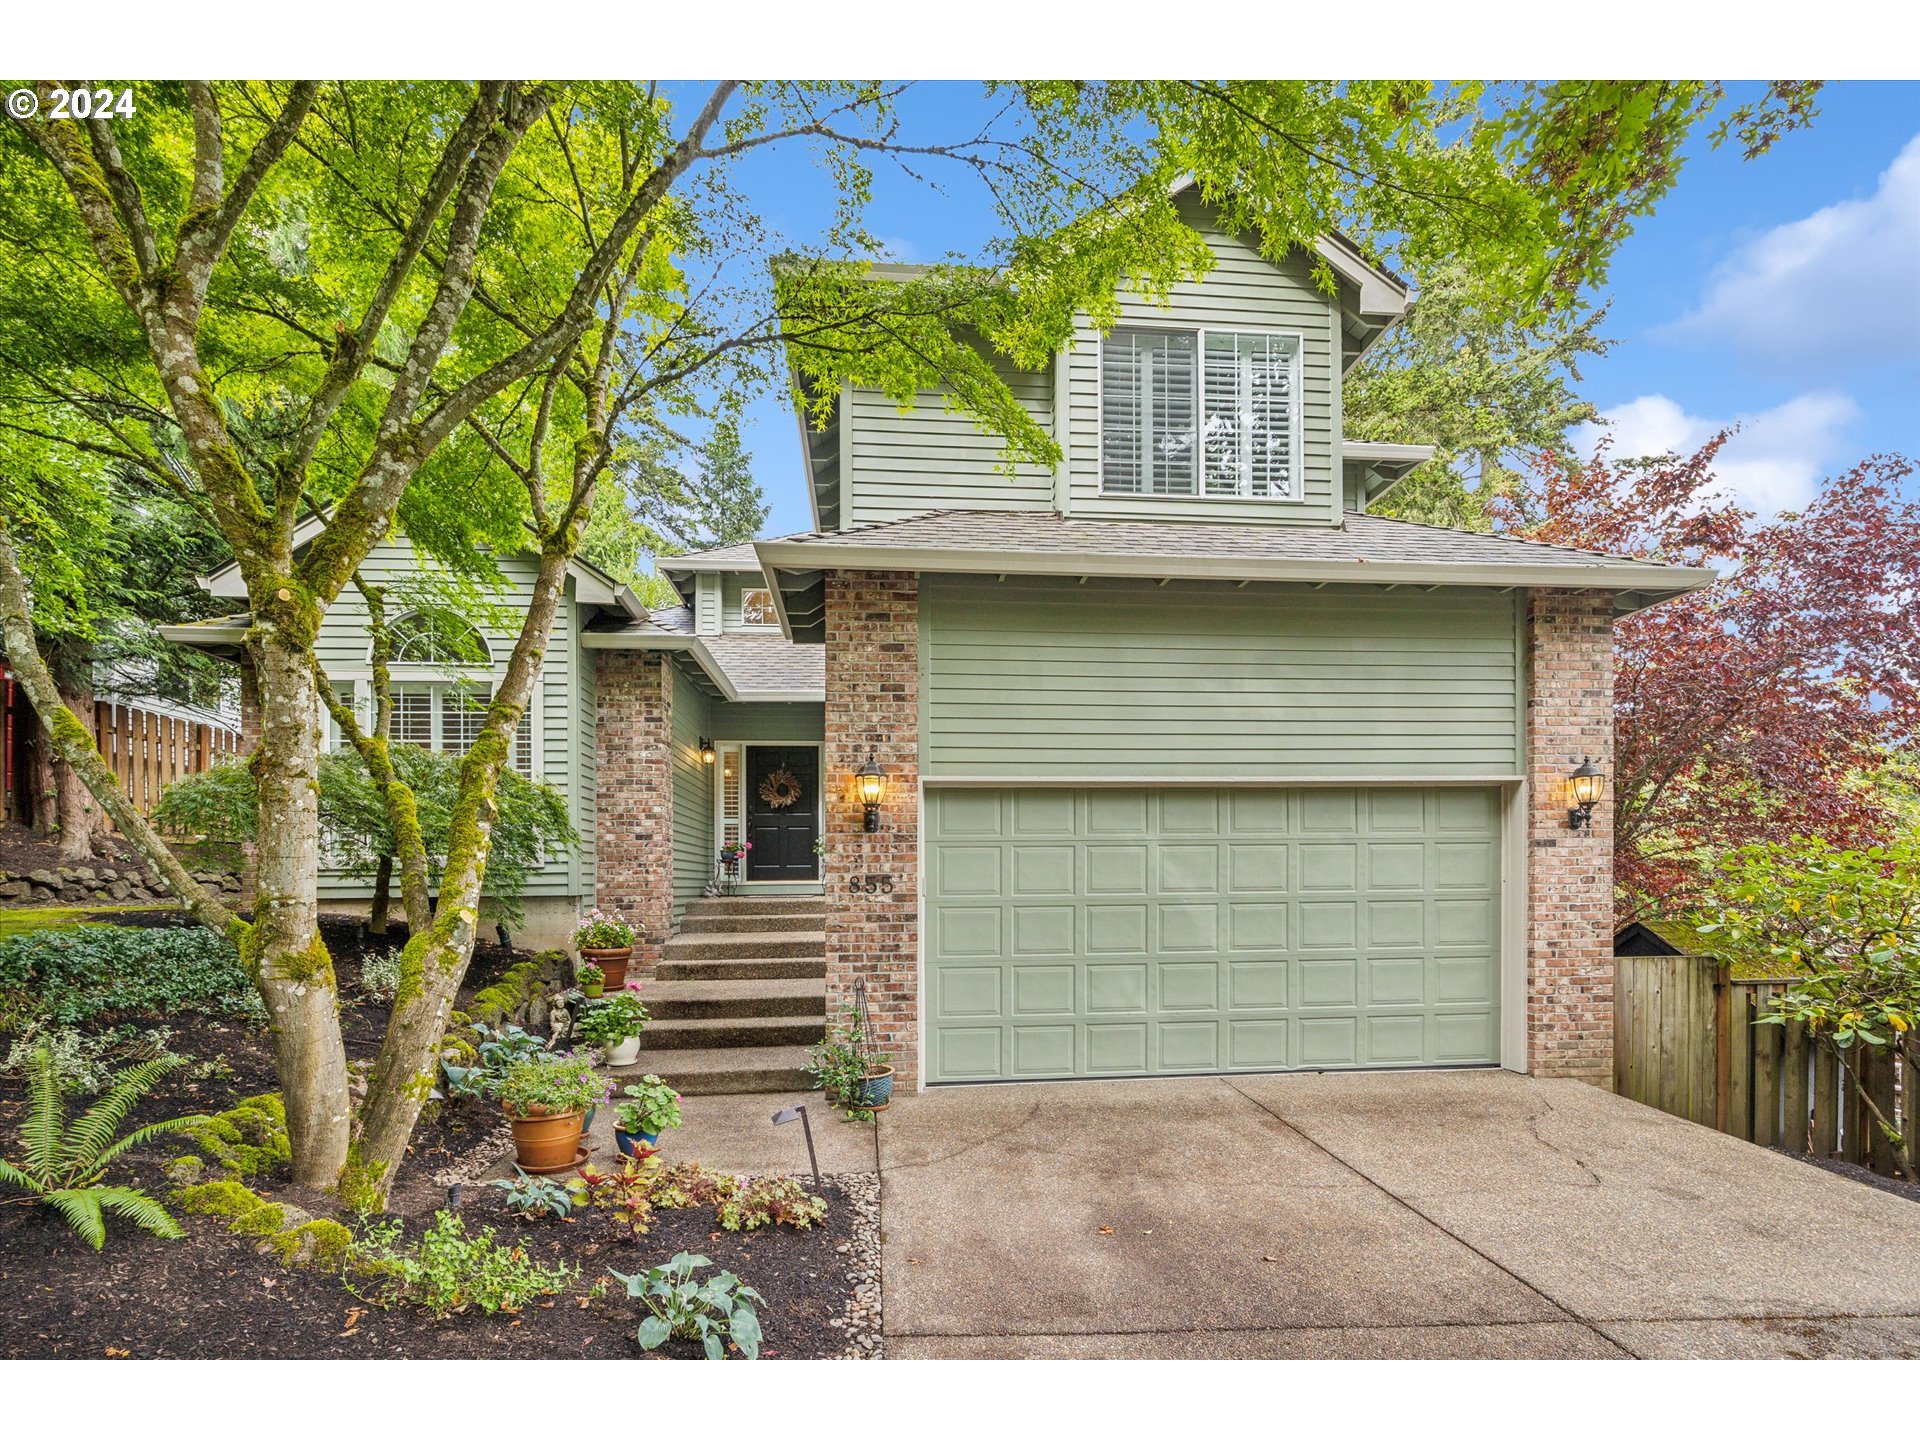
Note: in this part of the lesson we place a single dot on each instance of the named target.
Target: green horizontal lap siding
(1139, 931)
(1123, 679)
(754, 721)
(730, 611)
(934, 458)
(693, 847)
(1243, 291)
(565, 707)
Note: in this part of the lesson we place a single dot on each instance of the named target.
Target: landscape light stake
(787, 1117)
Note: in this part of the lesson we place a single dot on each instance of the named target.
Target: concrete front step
(673, 971)
(759, 905)
(752, 924)
(767, 944)
(729, 1032)
(772, 1069)
(737, 999)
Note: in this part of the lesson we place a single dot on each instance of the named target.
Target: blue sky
(1781, 293)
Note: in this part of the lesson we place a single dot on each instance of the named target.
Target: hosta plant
(715, 1311)
(497, 1052)
(62, 1164)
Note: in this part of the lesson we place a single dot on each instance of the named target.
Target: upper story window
(1212, 414)
(756, 608)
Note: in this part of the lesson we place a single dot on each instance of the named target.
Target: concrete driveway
(1426, 1214)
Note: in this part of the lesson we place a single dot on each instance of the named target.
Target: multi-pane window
(448, 717)
(1211, 413)
(756, 608)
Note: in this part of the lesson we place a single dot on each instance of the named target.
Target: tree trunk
(382, 896)
(435, 960)
(293, 968)
(75, 820)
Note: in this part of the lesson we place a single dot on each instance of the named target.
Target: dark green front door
(783, 812)
(1191, 930)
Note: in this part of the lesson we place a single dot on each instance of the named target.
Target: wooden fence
(1685, 1042)
(149, 752)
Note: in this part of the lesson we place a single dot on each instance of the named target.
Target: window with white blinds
(448, 718)
(1212, 413)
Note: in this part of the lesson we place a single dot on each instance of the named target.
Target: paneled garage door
(1185, 931)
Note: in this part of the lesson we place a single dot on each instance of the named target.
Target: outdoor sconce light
(872, 783)
(706, 751)
(1585, 785)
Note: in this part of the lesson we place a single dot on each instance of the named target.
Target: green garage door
(1183, 931)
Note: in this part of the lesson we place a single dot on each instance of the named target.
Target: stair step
(737, 999)
(792, 967)
(751, 924)
(758, 905)
(730, 1032)
(771, 943)
(750, 1070)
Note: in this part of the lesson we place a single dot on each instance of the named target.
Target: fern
(61, 1164)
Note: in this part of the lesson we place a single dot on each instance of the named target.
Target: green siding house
(1189, 763)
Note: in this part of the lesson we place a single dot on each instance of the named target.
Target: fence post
(1722, 1045)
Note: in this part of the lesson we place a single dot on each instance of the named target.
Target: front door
(783, 812)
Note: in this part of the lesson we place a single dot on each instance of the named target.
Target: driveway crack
(1545, 1106)
(1415, 1210)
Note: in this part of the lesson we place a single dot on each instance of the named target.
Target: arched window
(420, 638)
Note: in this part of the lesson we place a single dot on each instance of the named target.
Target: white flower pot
(625, 1053)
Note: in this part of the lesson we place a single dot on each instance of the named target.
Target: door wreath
(780, 789)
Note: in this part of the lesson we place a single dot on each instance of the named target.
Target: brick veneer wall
(633, 821)
(1569, 872)
(873, 708)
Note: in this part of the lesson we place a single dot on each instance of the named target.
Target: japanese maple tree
(1758, 708)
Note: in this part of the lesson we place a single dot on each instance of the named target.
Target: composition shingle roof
(724, 557)
(769, 662)
(1395, 549)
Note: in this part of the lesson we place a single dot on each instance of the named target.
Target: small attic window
(420, 638)
(756, 608)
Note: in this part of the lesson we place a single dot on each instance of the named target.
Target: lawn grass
(25, 920)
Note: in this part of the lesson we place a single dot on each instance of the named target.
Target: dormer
(725, 591)
(1221, 405)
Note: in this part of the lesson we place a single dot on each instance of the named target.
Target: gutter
(1598, 575)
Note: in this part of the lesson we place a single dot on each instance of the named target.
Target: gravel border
(866, 1339)
(1905, 1189)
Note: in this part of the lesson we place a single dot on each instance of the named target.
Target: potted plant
(546, 1099)
(614, 1026)
(606, 942)
(731, 855)
(851, 1069)
(651, 1106)
(593, 981)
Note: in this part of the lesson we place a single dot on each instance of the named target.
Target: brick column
(633, 811)
(1569, 872)
(873, 708)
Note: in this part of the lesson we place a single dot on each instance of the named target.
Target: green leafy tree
(1845, 924)
(439, 306)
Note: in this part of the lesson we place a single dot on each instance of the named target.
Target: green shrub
(76, 976)
(449, 1270)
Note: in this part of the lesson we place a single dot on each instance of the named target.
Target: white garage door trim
(1512, 950)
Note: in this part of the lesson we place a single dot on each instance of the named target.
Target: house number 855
(870, 884)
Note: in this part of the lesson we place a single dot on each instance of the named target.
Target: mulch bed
(212, 1296)
(1905, 1189)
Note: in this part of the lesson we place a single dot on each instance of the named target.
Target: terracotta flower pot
(612, 963)
(546, 1140)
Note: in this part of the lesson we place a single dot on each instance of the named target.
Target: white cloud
(1839, 287)
(1769, 465)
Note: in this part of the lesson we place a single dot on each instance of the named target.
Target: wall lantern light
(1585, 786)
(872, 783)
(706, 751)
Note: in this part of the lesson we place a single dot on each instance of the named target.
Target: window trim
(359, 684)
(767, 590)
(1296, 461)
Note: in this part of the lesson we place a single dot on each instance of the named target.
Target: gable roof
(1365, 550)
(592, 585)
(738, 666)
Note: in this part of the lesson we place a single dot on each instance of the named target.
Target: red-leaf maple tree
(1753, 709)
